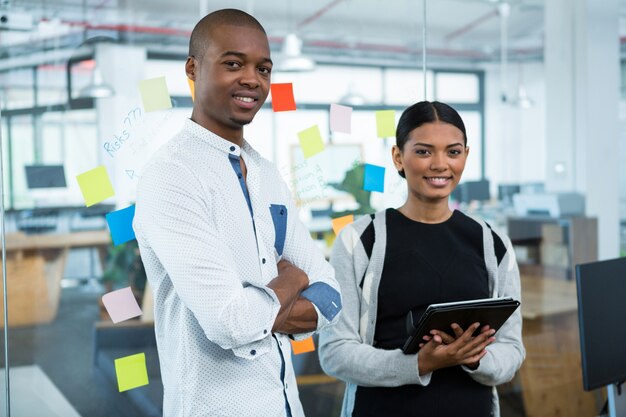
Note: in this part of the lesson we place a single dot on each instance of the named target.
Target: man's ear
(190, 68)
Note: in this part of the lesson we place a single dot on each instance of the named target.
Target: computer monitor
(507, 191)
(602, 321)
(472, 191)
(533, 188)
(45, 176)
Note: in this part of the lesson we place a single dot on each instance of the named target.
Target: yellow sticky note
(95, 185)
(341, 222)
(386, 123)
(311, 141)
(192, 87)
(154, 94)
(303, 346)
(131, 372)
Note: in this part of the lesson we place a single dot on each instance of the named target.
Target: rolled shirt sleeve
(300, 249)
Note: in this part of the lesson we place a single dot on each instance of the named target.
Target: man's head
(229, 61)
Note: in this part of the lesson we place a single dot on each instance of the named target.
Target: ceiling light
(352, 98)
(291, 59)
(97, 88)
(522, 100)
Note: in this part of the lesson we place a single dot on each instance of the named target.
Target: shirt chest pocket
(279, 219)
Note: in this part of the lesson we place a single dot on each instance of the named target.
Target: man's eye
(233, 64)
(265, 70)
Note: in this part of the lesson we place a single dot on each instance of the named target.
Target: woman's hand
(442, 350)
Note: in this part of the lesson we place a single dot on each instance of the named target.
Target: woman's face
(433, 159)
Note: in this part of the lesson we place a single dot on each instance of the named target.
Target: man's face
(232, 79)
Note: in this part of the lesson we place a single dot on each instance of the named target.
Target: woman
(405, 259)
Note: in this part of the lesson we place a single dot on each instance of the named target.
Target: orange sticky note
(192, 87)
(303, 346)
(341, 222)
(282, 97)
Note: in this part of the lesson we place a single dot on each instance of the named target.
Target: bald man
(235, 274)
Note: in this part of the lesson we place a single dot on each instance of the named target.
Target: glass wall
(61, 260)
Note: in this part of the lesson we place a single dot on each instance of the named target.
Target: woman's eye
(421, 152)
(455, 152)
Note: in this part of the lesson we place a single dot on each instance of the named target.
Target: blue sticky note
(121, 225)
(374, 178)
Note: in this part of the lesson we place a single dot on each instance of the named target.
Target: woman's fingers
(458, 331)
(477, 344)
(447, 339)
(476, 349)
(475, 358)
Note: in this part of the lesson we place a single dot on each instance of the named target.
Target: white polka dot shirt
(210, 246)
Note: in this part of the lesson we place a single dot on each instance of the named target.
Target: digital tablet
(491, 311)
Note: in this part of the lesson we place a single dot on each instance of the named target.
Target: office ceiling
(457, 30)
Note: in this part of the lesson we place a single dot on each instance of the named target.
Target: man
(234, 273)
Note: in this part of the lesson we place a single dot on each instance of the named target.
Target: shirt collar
(217, 142)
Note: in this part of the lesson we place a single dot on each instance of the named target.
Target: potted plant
(123, 267)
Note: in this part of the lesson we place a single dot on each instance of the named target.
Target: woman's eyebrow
(428, 145)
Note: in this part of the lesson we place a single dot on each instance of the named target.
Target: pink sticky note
(340, 118)
(121, 305)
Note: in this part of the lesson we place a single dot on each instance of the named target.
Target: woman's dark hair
(426, 112)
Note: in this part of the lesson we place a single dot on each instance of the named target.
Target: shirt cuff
(325, 298)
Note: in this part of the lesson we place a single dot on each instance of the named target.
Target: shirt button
(264, 331)
(253, 352)
(286, 386)
(232, 149)
(263, 260)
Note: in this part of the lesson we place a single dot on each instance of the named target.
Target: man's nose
(250, 77)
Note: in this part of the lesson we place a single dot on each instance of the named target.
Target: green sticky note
(311, 141)
(386, 123)
(131, 372)
(154, 94)
(95, 185)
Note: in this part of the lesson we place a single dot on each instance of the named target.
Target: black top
(426, 264)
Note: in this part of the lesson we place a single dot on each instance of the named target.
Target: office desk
(551, 376)
(35, 266)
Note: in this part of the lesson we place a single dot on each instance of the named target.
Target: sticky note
(121, 225)
(386, 123)
(311, 141)
(154, 94)
(302, 346)
(131, 372)
(341, 222)
(192, 88)
(340, 118)
(95, 185)
(282, 97)
(121, 305)
(374, 178)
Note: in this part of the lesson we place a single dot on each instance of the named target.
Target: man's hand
(462, 350)
(301, 319)
(290, 281)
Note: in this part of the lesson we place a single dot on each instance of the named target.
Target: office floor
(63, 350)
